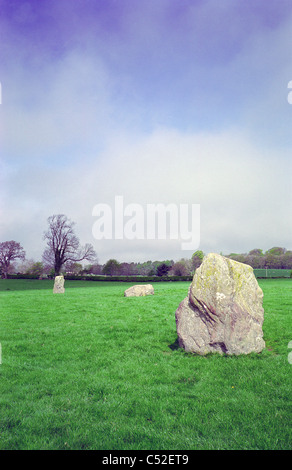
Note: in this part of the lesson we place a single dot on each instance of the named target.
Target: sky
(152, 101)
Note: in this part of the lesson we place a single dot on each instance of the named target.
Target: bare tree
(63, 245)
(9, 251)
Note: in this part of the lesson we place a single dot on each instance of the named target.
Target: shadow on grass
(174, 346)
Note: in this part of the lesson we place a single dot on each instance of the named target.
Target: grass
(91, 369)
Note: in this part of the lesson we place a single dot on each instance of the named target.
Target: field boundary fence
(272, 273)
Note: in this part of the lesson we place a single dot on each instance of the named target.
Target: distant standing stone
(223, 310)
(139, 290)
(59, 285)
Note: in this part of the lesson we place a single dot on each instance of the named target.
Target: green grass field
(91, 369)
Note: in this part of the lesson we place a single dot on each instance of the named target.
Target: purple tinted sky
(157, 100)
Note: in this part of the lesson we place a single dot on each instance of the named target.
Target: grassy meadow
(91, 369)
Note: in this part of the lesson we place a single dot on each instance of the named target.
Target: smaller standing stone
(139, 290)
(59, 285)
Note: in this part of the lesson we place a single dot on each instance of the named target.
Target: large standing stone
(223, 311)
(59, 285)
(139, 290)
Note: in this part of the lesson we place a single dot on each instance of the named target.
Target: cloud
(67, 106)
(240, 189)
(160, 104)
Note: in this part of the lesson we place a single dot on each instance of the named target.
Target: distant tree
(148, 268)
(151, 272)
(129, 269)
(181, 268)
(276, 251)
(10, 251)
(241, 258)
(63, 245)
(273, 261)
(92, 269)
(29, 266)
(274, 258)
(72, 267)
(287, 260)
(37, 269)
(163, 269)
(25, 266)
(256, 261)
(256, 252)
(197, 259)
(112, 267)
(96, 268)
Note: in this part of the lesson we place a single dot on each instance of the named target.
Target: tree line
(64, 254)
